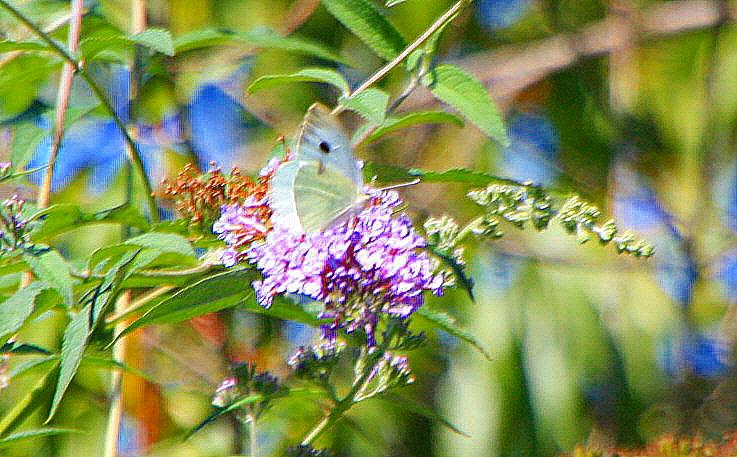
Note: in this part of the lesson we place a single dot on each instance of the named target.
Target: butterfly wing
(323, 181)
(322, 139)
(302, 197)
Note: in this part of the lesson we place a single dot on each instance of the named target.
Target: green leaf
(447, 324)
(73, 344)
(222, 411)
(465, 93)
(51, 268)
(371, 104)
(8, 46)
(23, 349)
(211, 294)
(164, 242)
(200, 39)
(27, 405)
(61, 218)
(157, 39)
(413, 406)
(26, 138)
(249, 400)
(365, 20)
(391, 3)
(15, 310)
(388, 173)
(393, 124)
(271, 39)
(35, 433)
(317, 75)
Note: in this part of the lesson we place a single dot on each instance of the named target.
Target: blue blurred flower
(675, 269)
(635, 204)
(701, 355)
(498, 14)
(726, 195)
(727, 273)
(218, 126)
(533, 149)
(637, 207)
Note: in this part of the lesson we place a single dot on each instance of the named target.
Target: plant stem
(133, 154)
(116, 383)
(252, 435)
(419, 41)
(62, 102)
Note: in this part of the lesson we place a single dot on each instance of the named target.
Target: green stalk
(133, 154)
(419, 41)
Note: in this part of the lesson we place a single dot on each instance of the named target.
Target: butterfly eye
(324, 147)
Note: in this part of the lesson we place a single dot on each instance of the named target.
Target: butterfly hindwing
(322, 198)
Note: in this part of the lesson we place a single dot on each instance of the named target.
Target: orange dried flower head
(198, 197)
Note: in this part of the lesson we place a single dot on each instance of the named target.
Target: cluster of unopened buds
(13, 234)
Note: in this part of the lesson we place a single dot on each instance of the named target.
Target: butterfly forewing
(322, 139)
(323, 182)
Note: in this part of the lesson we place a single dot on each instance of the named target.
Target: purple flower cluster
(239, 225)
(366, 266)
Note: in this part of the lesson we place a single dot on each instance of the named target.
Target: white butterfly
(323, 183)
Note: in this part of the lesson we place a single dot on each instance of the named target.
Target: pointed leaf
(35, 433)
(371, 104)
(164, 242)
(447, 324)
(211, 294)
(26, 138)
(365, 20)
(27, 405)
(74, 342)
(394, 124)
(200, 39)
(465, 93)
(413, 406)
(458, 269)
(51, 268)
(271, 39)
(157, 39)
(15, 310)
(315, 75)
(8, 46)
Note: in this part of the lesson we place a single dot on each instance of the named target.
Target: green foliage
(371, 104)
(35, 433)
(446, 323)
(323, 75)
(393, 124)
(15, 310)
(201, 39)
(363, 19)
(51, 268)
(74, 343)
(158, 40)
(465, 93)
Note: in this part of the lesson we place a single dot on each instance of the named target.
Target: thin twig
(383, 71)
(116, 383)
(62, 102)
(133, 153)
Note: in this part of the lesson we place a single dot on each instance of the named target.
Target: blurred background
(630, 103)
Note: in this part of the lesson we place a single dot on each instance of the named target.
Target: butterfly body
(323, 183)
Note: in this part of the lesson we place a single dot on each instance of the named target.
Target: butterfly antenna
(400, 185)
